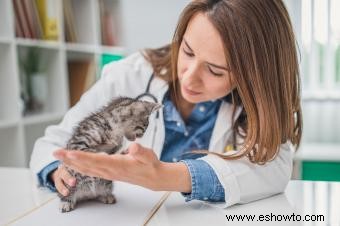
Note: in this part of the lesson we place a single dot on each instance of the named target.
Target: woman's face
(202, 68)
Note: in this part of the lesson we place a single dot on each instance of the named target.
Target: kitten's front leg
(104, 191)
(107, 199)
(66, 206)
(68, 203)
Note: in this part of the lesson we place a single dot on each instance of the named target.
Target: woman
(229, 83)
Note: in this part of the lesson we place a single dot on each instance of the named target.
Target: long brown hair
(260, 47)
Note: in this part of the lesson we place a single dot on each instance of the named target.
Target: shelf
(5, 40)
(318, 152)
(4, 124)
(20, 128)
(42, 118)
(331, 96)
(85, 48)
(82, 48)
(25, 42)
(118, 50)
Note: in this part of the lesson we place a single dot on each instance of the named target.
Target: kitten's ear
(155, 107)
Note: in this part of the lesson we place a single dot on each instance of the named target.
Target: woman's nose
(191, 72)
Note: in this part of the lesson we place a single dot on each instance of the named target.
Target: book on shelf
(82, 75)
(18, 29)
(21, 20)
(107, 25)
(48, 16)
(28, 23)
(36, 20)
(70, 29)
(26, 5)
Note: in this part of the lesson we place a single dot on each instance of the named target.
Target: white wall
(149, 23)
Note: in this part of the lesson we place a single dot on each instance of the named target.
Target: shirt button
(186, 133)
(178, 124)
(202, 109)
(174, 159)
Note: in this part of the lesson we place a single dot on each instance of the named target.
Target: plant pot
(39, 91)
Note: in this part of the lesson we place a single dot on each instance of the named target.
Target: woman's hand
(139, 166)
(60, 177)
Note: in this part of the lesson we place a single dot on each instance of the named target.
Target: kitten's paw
(66, 206)
(109, 199)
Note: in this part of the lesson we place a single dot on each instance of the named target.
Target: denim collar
(198, 114)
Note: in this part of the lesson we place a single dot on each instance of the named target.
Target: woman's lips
(191, 92)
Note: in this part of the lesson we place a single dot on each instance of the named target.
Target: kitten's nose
(146, 124)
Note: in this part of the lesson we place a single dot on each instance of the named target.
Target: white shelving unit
(18, 132)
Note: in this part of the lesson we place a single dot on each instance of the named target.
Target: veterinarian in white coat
(250, 176)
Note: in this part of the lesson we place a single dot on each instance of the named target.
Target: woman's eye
(188, 53)
(215, 73)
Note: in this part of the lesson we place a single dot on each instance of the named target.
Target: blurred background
(51, 51)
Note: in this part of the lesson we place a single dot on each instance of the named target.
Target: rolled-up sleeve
(43, 176)
(244, 181)
(204, 182)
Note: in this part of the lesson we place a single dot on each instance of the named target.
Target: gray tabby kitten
(103, 131)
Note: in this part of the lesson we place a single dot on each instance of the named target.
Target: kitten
(103, 131)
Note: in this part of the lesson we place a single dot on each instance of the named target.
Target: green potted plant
(34, 80)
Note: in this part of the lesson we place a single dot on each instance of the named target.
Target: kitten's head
(132, 115)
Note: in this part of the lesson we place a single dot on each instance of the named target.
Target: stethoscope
(149, 95)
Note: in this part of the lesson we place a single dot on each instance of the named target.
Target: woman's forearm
(173, 177)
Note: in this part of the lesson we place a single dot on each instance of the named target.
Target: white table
(18, 194)
(20, 200)
(300, 198)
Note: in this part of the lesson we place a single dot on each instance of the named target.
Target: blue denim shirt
(182, 137)
(43, 175)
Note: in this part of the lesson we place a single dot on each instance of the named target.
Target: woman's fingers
(60, 153)
(61, 177)
(66, 177)
(59, 184)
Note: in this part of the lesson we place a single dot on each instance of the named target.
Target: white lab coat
(242, 180)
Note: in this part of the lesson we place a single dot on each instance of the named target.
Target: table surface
(304, 199)
(20, 199)
(19, 195)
